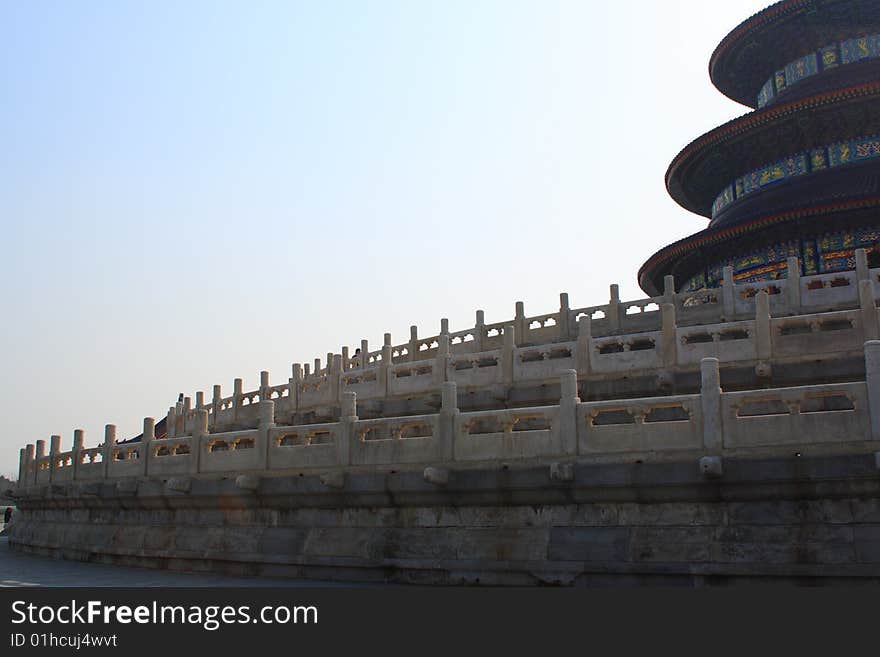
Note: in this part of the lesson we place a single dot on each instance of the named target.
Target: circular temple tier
(771, 56)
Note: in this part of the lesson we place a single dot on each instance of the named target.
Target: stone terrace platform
(733, 433)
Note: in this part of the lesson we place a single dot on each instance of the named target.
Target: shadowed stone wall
(804, 519)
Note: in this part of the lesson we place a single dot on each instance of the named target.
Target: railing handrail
(707, 426)
(816, 299)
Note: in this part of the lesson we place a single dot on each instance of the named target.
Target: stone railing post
(291, 395)
(728, 299)
(186, 416)
(22, 469)
(109, 444)
(29, 457)
(413, 343)
(264, 385)
(346, 360)
(181, 413)
(568, 401)
(54, 450)
(348, 418)
(78, 445)
(236, 398)
(793, 285)
(267, 413)
(564, 319)
(448, 416)
(872, 385)
(519, 323)
(386, 371)
(199, 431)
(508, 353)
(614, 316)
(669, 288)
(584, 345)
(480, 331)
(763, 337)
(863, 272)
(668, 346)
(441, 360)
(444, 326)
(365, 348)
(868, 310)
(710, 402)
(147, 439)
(171, 422)
(334, 378)
(200, 399)
(266, 422)
(216, 402)
(295, 383)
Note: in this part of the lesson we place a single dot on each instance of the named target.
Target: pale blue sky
(194, 191)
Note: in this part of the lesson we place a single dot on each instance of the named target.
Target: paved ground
(18, 569)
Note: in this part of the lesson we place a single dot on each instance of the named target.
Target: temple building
(724, 429)
(798, 176)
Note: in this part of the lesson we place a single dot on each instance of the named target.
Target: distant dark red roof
(160, 433)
